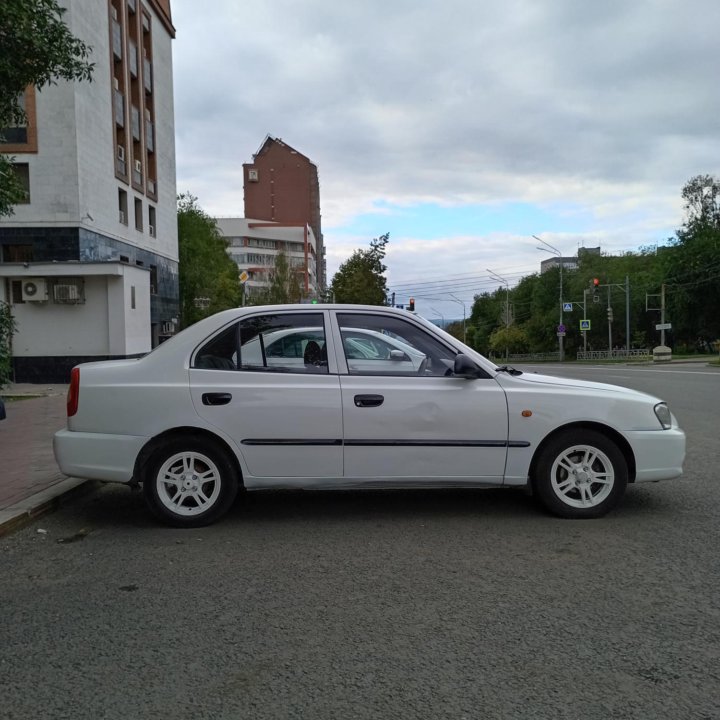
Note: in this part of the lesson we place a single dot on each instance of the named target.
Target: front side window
(381, 345)
(269, 343)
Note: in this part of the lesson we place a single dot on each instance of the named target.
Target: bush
(7, 328)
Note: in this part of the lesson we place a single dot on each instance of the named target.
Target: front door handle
(369, 400)
(216, 398)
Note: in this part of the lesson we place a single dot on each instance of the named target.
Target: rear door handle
(369, 400)
(216, 398)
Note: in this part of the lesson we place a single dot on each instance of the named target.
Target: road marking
(647, 370)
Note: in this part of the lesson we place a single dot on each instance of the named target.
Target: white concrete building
(89, 263)
(254, 245)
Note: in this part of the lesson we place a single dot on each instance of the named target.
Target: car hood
(571, 383)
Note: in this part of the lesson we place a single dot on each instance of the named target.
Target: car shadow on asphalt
(117, 505)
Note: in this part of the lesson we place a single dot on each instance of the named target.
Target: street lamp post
(554, 251)
(463, 307)
(495, 276)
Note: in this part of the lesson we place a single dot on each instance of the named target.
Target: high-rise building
(281, 185)
(89, 262)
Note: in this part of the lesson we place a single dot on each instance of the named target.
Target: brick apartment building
(281, 185)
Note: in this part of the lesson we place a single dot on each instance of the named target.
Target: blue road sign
(567, 307)
(584, 325)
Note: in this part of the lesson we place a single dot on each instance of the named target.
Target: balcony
(119, 104)
(147, 75)
(117, 40)
(135, 122)
(137, 176)
(150, 136)
(121, 166)
(152, 187)
(133, 58)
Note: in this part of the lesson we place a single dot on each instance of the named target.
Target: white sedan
(208, 413)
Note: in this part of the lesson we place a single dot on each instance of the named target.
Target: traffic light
(610, 314)
(411, 305)
(596, 282)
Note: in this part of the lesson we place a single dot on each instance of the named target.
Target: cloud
(608, 107)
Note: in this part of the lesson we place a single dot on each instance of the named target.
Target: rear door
(284, 413)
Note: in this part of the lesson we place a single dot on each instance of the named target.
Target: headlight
(662, 412)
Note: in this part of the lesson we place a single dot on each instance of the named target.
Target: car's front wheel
(580, 474)
(190, 482)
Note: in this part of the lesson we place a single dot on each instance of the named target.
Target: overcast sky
(461, 127)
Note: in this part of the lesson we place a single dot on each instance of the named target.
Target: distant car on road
(350, 396)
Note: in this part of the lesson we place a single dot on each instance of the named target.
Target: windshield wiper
(509, 369)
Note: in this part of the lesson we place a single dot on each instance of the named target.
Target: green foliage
(7, 328)
(511, 339)
(689, 268)
(486, 315)
(456, 330)
(36, 48)
(284, 286)
(208, 276)
(361, 279)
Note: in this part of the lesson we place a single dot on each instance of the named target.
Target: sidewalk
(30, 481)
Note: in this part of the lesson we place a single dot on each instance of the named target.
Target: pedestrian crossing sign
(584, 325)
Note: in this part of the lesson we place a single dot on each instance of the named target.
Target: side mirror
(398, 355)
(465, 367)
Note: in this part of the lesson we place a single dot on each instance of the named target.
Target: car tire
(190, 482)
(580, 474)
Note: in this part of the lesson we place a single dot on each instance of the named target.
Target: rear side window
(282, 342)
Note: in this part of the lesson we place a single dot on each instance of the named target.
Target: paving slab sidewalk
(30, 481)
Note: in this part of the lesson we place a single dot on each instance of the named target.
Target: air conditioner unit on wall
(34, 290)
(253, 175)
(121, 153)
(138, 165)
(151, 230)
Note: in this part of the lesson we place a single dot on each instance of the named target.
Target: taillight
(73, 392)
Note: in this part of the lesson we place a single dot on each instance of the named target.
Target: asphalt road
(469, 604)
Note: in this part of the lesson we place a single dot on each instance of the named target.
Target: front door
(410, 422)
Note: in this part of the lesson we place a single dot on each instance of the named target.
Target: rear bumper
(97, 456)
(659, 454)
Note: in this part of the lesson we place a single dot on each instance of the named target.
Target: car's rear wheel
(580, 474)
(190, 482)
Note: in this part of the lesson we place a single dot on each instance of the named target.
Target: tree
(512, 338)
(360, 279)
(208, 276)
(284, 285)
(7, 327)
(36, 48)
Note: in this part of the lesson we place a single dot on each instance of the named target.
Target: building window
(22, 138)
(123, 206)
(22, 173)
(132, 297)
(17, 253)
(153, 280)
(138, 214)
(16, 292)
(152, 220)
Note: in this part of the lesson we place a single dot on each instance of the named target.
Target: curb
(23, 513)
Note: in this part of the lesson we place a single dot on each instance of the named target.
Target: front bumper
(659, 454)
(97, 456)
